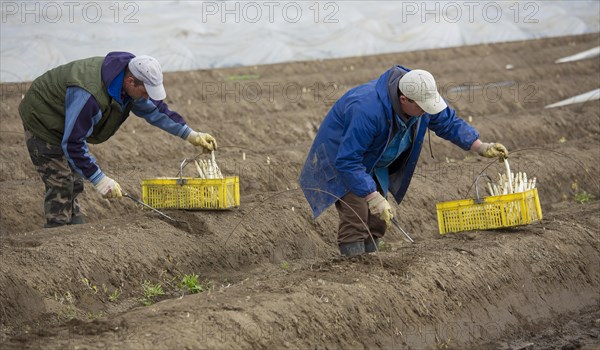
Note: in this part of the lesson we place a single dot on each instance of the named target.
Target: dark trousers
(356, 220)
(62, 184)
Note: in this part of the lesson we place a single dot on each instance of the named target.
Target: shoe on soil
(352, 249)
(77, 220)
(370, 247)
(53, 224)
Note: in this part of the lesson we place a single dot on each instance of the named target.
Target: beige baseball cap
(148, 70)
(419, 86)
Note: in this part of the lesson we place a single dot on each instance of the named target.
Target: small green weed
(90, 286)
(191, 283)
(151, 291)
(68, 299)
(70, 313)
(114, 296)
(581, 196)
(285, 265)
(94, 316)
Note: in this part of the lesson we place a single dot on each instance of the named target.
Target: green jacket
(43, 107)
(83, 101)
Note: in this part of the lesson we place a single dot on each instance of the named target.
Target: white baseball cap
(147, 69)
(419, 86)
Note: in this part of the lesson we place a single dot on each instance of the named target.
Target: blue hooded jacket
(353, 137)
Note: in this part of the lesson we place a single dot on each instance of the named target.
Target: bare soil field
(272, 276)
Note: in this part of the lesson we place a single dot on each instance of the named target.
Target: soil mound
(271, 275)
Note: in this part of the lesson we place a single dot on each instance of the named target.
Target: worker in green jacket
(86, 101)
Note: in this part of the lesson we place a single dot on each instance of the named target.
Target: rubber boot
(370, 247)
(77, 220)
(352, 249)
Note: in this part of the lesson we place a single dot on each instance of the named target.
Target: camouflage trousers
(62, 184)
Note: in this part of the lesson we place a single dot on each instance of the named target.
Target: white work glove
(493, 150)
(380, 206)
(202, 139)
(108, 188)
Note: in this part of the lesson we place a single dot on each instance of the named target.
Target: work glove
(493, 150)
(378, 205)
(108, 188)
(202, 139)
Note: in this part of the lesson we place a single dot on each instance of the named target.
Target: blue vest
(399, 143)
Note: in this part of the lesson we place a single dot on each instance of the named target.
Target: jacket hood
(113, 64)
(387, 89)
(393, 79)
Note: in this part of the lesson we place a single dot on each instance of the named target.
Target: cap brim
(156, 92)
(433, 104)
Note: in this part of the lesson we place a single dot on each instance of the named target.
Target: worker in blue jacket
(369, 143)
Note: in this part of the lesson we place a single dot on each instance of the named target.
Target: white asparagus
(218, 171)
(508, 175)
(509, 182)
(513, 179)
(205, 168)
(200, 174)
(210, 169)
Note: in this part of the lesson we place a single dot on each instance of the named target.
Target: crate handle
(480, 200)
(181, 181)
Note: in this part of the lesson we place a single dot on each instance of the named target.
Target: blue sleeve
(358, 137)
(82, 113)
(449, 126)
(158, 114)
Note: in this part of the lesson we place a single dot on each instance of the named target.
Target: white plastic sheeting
(586, 97)
(183, 35)
(587, 54)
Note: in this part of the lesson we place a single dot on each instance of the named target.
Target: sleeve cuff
(186, 132)
(98, 175)
(371, 195)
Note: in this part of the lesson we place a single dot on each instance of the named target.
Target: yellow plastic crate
(491, 212)
(191, 193)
